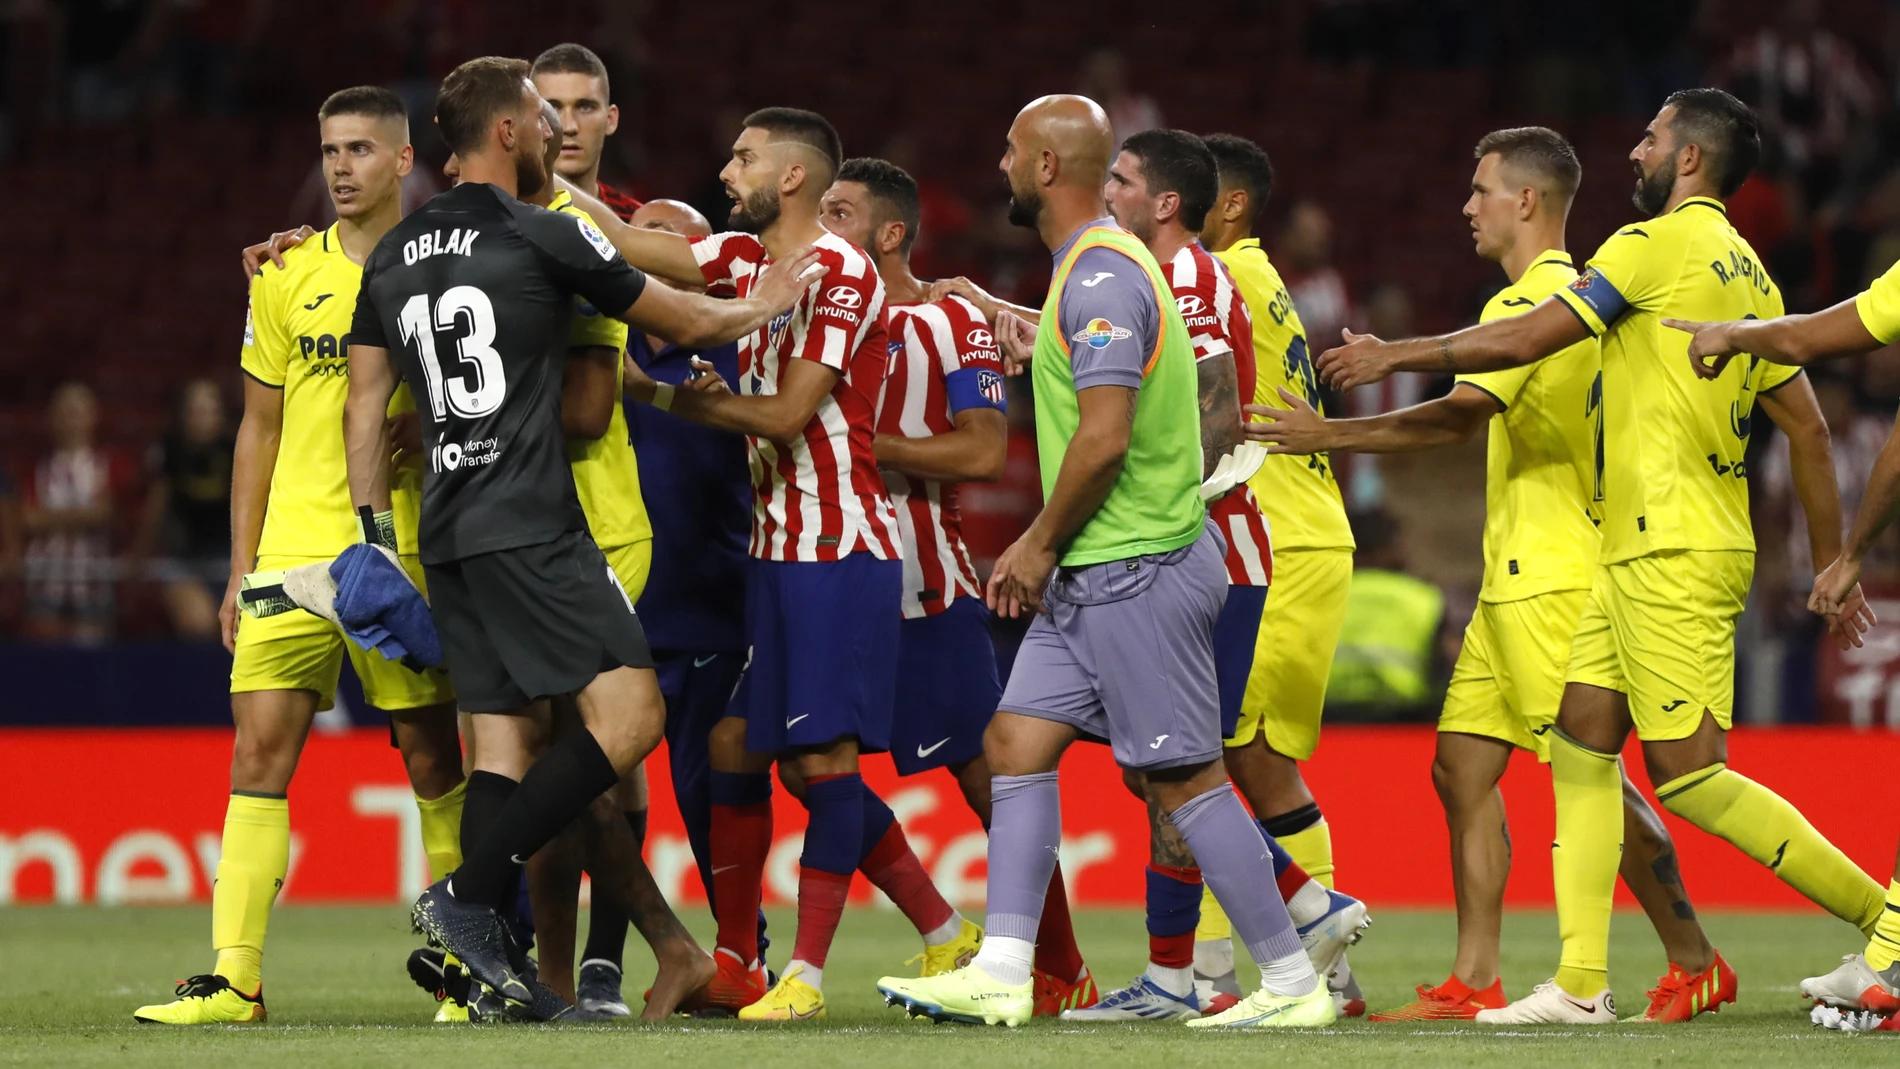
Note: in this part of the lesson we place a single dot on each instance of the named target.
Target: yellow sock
(442, 830)
(251, 867)
(1883, 943)
(1764, 826)
(1584, 860)
(1311, 849)
(1214, 924)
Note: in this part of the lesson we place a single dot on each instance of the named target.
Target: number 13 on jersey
(476, 349)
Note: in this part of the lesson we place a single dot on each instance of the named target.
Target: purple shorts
(1126, 653)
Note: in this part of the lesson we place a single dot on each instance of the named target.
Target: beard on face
(755, 211)
(1025, 209)
(1654, 190)
(531, 171)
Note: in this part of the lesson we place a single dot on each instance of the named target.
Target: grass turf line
(339, 997)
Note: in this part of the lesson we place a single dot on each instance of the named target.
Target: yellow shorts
(632, 563)
(1509, 679)
(298, 651)
(1661, 629)
(1294, 654)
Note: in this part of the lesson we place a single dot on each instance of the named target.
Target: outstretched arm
(1502, 343)
(1447, 420)
(700, 322)
(776, 417)
(1798, 340)
(656, 252)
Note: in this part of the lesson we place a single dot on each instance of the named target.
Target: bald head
(1059, 146)
(672, 216)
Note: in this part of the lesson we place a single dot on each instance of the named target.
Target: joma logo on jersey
(423, 246)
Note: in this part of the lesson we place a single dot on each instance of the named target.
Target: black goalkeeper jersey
(472, 296)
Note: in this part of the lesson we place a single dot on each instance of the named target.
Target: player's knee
(1457, 789)
(1136, 783)
(262, 763)
(726, 744)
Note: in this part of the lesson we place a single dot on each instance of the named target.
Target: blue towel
(381, 610)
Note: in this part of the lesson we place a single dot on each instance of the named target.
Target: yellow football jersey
(1543, 489)
(294, 341)
(1674, 477)
(606, 475)
(1879, 306)
(1299, 495)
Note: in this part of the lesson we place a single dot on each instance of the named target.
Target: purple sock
(1025, 833)
(1281, 859)
(1236, 863)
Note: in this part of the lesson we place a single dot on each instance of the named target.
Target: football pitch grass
(339, 997)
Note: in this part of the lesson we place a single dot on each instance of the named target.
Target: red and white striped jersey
(943, 360)
(1218, 322)
(821, 497)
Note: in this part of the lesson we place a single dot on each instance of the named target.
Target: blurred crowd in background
(143, 142)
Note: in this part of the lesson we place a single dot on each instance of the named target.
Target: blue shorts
(1235, 634)
(948, 665)
(824, 638)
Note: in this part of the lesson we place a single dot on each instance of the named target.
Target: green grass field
(339, 997)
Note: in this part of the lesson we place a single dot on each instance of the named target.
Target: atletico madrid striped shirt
(817, 497)
(1218, 322)
(943, 360)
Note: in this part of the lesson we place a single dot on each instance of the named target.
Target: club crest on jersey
(1100, 332)
(990, 385)
(981, 339)
(775, 330)
(597, 239)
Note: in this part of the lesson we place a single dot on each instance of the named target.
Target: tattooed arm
(1219, 393)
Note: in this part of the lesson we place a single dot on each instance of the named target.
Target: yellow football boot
(954, 954)
(205, 1000)
(791, 999)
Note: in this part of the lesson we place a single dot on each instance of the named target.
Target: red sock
(893, 868)
(821, 898)
(1291, 880)
(741, 838)
(1056, 952)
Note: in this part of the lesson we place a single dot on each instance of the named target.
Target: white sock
(812, 975)
(1005, 959)
(1214, 957)
(944, 932)
(1291, 975)
(1176, 982)
(1309, 903)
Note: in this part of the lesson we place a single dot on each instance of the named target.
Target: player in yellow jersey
(1312, 569)
(1654, 648)
(1543, 493)
(290, 505)
(1869, 980)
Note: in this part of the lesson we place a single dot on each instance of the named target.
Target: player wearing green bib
(1126, 578)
